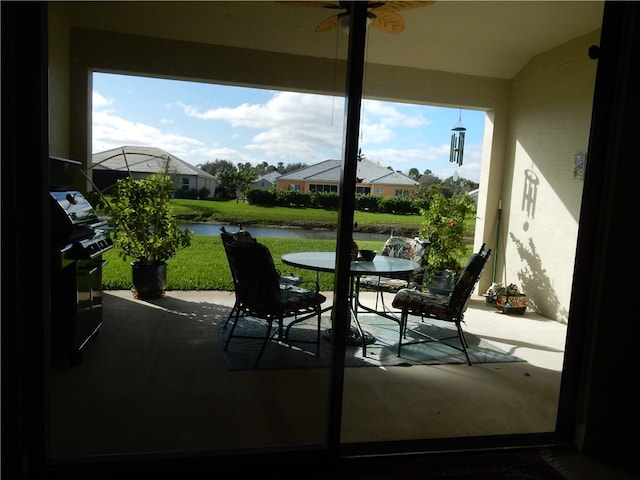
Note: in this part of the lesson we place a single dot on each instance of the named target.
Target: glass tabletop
(326, 262)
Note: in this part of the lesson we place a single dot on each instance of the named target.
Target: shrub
(444, 226)
(326, 200)
(367, 202)
(292, 198)
(397, 205)
(261, 196)
(143, 225)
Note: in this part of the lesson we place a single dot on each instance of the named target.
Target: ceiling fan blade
(381, 13)
(405, 5)
(387, 21)
(328, 24)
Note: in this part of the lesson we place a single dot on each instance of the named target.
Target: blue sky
(202, 123)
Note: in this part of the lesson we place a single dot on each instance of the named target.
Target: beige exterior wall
(386, 190)
(550, 114)
(284, 184)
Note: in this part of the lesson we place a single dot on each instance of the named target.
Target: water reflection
(278, 232)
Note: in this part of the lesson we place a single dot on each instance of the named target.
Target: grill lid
(74, 209)
(73, 218)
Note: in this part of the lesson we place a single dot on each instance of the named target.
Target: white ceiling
(491, 39)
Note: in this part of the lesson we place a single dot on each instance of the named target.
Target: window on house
(294, 187)
(365, 190)
(402, 193)
(322, 188)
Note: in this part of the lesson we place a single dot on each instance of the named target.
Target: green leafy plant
(444, 226)
(511, 289)
(143, 225)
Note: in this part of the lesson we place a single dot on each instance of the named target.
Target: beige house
(372, 179)
(548, 97)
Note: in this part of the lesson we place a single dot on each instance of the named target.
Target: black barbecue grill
(78, 239)
(76, 227)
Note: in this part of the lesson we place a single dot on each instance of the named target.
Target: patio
(160, 385)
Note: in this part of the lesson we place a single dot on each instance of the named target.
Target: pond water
(278, 232)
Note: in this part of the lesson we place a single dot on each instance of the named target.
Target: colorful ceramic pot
(512, 304)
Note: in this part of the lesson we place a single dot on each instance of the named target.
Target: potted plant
(491, 295)
(444, 226)
(145, 230)
(510, 300)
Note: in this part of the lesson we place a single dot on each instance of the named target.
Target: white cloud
(292, 127)
(99, 101)
(391, 115)
(110, 131)
(287, 127)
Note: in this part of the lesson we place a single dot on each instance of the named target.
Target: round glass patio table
(326, 262)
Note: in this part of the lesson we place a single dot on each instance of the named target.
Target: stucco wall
(550, 114)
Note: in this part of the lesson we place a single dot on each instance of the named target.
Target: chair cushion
(423, 303)
(290, 278)
(243, 238)
(386, 284)
(409, 248)
(295, 298)
(401, 247)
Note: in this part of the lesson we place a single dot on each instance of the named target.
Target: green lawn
(228, 211)
(203, 265)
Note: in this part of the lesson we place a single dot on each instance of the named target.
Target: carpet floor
(299, 351)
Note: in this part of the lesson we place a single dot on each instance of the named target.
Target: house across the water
(371, 178)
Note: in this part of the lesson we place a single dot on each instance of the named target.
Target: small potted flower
(510, 300)
(492, 292)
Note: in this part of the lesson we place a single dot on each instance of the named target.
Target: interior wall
(550, 115)
(59, 141)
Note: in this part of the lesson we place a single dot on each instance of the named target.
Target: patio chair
(448, 308)
(415, 249)
(240, 236)
(261, 295)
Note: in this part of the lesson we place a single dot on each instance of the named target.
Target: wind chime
(457, 141)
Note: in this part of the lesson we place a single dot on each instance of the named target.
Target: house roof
(144, 160)
(329, 171)
(270, 177)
